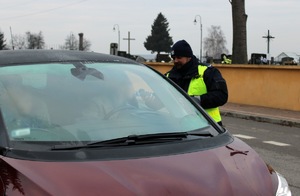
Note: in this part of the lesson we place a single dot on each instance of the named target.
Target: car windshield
(90, 102)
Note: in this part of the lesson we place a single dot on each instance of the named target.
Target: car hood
(235, 169)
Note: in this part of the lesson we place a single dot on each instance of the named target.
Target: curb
(261, 118)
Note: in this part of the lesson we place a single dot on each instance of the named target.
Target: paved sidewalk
(262, 114)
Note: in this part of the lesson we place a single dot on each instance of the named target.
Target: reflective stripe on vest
(197, 87)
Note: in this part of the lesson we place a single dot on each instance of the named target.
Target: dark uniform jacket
(217, 93)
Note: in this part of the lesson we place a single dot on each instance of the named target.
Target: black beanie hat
(181, 48)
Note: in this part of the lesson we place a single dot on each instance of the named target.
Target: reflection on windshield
(91, 102)
(10, 176)
(81, 71)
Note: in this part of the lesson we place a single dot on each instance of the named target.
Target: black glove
(197, 99)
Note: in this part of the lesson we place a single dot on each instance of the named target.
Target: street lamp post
(195, 22)
(116, 25)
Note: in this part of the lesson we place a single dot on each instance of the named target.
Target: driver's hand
(145, 95)
(150, 99)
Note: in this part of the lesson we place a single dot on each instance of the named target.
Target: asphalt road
(278, 145)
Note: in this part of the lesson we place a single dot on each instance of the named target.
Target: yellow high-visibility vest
(197, 87)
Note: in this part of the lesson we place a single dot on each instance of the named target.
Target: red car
(84, 123)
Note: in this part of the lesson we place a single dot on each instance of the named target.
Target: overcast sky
(59, 18)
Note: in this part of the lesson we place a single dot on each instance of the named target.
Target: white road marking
(276, 143)
(266, 142)
(244, 136)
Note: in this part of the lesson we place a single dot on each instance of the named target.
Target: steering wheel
(116, 110)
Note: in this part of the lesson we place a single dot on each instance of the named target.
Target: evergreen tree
(2, 41)
(159, 40)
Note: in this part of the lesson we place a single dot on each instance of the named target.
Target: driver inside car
(21, 109)
(114, 96)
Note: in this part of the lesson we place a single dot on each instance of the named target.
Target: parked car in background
(84, 123)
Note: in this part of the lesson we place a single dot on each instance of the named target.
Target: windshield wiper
(151, 138)
(138, 140)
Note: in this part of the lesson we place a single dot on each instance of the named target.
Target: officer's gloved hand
(197, 99)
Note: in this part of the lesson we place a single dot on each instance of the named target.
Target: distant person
(265, 60)
(261, 60)
(225, 59)
(201, 81)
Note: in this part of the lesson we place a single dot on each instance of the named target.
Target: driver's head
(120, 89)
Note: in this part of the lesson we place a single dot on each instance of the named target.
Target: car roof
(11, 57)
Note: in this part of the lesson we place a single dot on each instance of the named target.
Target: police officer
(201, 81)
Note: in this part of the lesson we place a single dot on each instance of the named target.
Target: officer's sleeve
(217, 93)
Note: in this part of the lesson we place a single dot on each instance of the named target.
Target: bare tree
(239, 21)
(214, 43)
(86, 45)
(19, 42)
(35, 41)
(72, 43)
